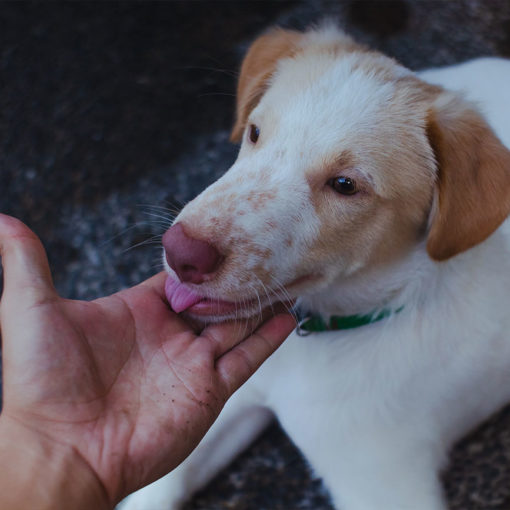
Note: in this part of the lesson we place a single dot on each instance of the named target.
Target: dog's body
(423, 237)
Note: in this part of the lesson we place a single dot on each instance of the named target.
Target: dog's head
(347, 163)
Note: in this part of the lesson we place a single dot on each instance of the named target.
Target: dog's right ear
(258, 66)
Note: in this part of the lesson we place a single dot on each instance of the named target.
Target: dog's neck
(366, 291)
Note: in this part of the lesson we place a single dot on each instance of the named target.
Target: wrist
(38, 472)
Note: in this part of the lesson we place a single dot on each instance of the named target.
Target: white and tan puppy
(377, 200)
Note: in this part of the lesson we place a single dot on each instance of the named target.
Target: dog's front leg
(369, 467)
(403, 488)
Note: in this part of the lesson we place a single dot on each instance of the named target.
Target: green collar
(316, 324)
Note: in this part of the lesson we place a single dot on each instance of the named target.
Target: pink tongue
(179, 296)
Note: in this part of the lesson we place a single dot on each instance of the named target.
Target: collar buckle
(300, 329)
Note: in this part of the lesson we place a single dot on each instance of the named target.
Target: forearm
(37, 473)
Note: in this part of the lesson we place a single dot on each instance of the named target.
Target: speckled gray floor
(110, 111)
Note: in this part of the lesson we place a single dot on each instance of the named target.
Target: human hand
(120, 388)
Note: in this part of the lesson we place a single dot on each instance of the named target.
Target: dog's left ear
(473, 178)
(258, 66)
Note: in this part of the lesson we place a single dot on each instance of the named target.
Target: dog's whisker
(282, 288)
(164, 219)
(169, 207)
(163, 213)
(235, 313)
(286, 296)
(124, 231)
(228, 72)
(207, 94)
(156, 267)
(242, 321)
(152, 240)
(270, 301)
(179, 203)
(172, 210)
(246, 320)
(260, 305)
(255, 291)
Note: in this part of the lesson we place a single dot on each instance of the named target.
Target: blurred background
(114, 114)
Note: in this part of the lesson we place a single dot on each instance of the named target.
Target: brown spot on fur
(257, 68)
(213, 229)
(259, 199)
(261, 62)
(262, 273)
(271, 225)
(220, 201)
(249, 262)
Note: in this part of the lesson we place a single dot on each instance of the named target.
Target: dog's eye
(344, 185)
(254, 133)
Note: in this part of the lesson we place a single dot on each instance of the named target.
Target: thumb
(27, 275)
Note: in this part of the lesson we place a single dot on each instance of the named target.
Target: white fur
(374, 409)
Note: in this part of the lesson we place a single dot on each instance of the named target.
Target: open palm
(122, 379)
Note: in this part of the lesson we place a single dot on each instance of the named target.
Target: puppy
(378, 200)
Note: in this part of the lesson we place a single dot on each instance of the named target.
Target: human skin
(104, 397)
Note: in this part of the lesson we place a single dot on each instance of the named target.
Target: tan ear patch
(258, 66)
(473, 178)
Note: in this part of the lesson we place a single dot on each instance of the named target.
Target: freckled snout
(192, 259)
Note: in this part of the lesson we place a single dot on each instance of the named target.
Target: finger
(241, 362)
(224, 336)
(26, 270)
